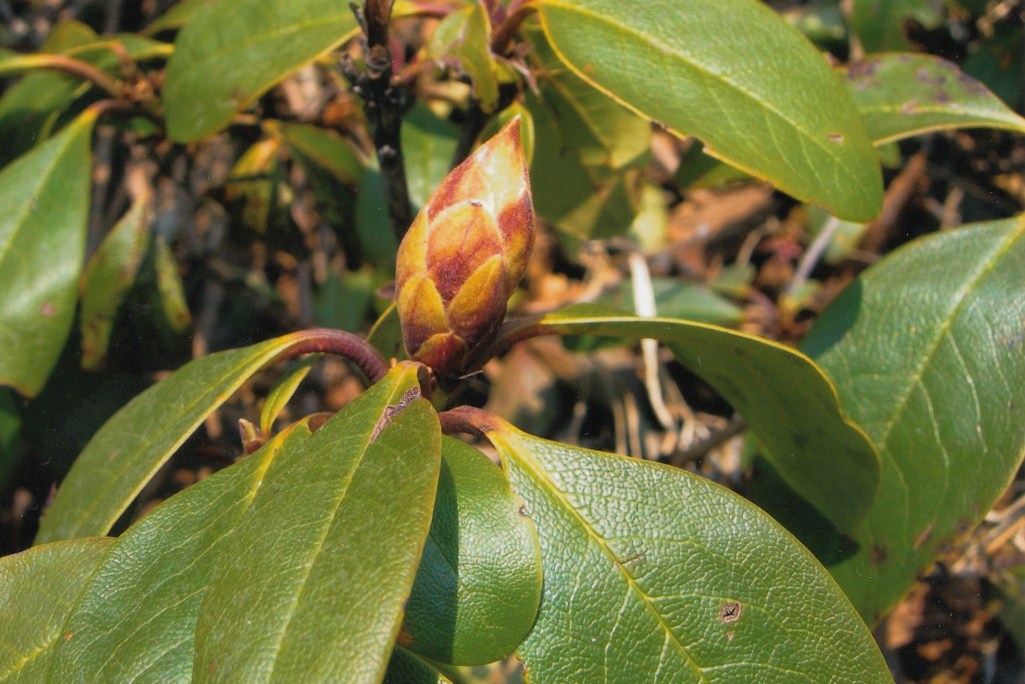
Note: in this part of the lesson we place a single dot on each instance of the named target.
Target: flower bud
(464, 255)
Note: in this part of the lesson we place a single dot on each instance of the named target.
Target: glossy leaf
(601, 131)
(253, 183)
(33, 106)
(464, 38)
(655, 574)
(229, 53)
(789, 404)
(38, 588)
(44, 208)
(170, 288)
(321, 147)
(129, 449)
(879, 24)
(283, 390)
(136, 618)
(929, 361)
(108, 277)
(176, 16)
(428, 145)
(901, 95)
(313, 580)
(735, 75)
(406, 668)
(479, 582)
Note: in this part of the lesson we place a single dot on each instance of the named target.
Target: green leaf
(479, 582)
(177, 16)
(230, 53)
(10, 428)
(252, 186)
(38, 588)
(129, 449)
(313, 580)
(406, 668)
(44, 208)
(37, 103)
(108, 277)
(879, 24)
(735, 75)
(675, 298)
(136, 618)
(929, 361)
(373, 226)
(789, 404)
(428, 145)
(282, 392)
(170, 288)
(655, 574)
(322, 148)
(901, 95)
(464, 37)
(600, 130)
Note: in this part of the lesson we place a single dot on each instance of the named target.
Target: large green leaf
(136, 619)
(879, 24)
(229, 53)
(901, 95)
(129, 449)
(38, 589)
(479, 582)
(735, 75)
(928, 359)
(789, 404)
(312, 582)
(44, 208)
(600, 131)
(655, 574)
(428, 143)
(108, 277)
(406, 668)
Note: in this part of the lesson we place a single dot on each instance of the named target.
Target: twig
(736, 425)
(384, 102)
(813, 254)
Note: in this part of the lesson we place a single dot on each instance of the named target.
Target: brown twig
(384, 103)
(75, 67)
(466, 420)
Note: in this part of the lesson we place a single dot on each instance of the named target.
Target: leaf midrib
(602, 544)
(915, 379)
(293, 606)
(831, 152)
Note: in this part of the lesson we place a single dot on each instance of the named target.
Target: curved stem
(338, 342)
(506, 31)
(466, 420)
(75, 67)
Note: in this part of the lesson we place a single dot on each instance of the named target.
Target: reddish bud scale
(464, 255)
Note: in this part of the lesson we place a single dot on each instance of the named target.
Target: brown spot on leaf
(729, 637)
(391, 410)
(836, 137)
(878, 554)
(48, 309)
(730, 612)
(68, 635)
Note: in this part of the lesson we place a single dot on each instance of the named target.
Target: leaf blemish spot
(391, 410)
(836, 137)
(730, 612)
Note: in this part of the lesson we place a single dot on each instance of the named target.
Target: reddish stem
(354, 349)
(468, 420)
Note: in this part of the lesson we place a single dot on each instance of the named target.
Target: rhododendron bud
(465, 254)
